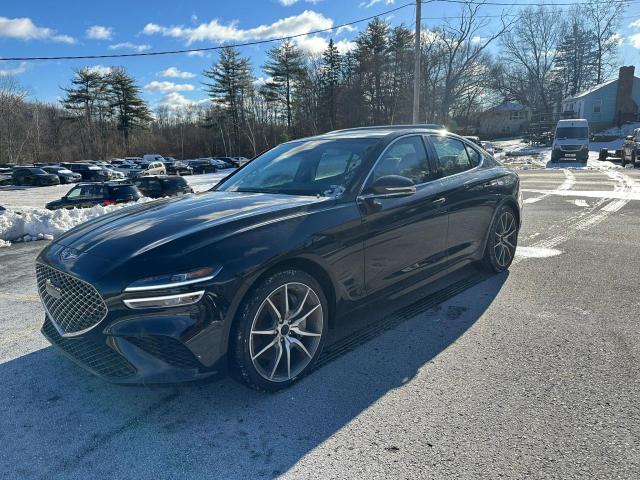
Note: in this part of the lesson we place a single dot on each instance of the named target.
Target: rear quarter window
(124, 191)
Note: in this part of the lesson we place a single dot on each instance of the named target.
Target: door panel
(470, 193)
(405, 238)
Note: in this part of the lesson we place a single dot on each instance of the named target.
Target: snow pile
(42, 224)
(621, 131)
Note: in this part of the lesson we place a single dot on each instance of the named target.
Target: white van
(571, 140)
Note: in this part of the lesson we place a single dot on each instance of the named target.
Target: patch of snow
(537, 252)
(42, 224)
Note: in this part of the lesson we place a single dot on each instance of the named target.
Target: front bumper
(131, 346)
(145, 359)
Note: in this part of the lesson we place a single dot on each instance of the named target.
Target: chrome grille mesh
(79, 305)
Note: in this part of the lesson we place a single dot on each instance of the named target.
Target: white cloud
(315, 45)
(100, 69)
(195, 54)
(25, 29)
(635, 40)
(345, 46)
(168, 86)
(371, 3)
(215, 31)
(288, 3)
(635, 24)
(176, 100)
(13, 70)
(173, 72)
(345, 28)
(130, 46)
(98, 32)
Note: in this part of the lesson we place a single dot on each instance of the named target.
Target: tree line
(536, 56)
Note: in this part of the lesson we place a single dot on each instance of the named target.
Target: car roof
(380, 131)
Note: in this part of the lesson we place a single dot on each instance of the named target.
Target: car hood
(181, 224)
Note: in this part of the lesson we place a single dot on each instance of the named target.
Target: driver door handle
(439, 201)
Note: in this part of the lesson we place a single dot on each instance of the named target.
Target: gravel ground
(532, 373)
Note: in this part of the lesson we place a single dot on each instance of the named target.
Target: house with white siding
(611, 103)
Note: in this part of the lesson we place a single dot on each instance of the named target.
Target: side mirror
(392, 186)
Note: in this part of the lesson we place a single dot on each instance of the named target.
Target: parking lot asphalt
(528, 374)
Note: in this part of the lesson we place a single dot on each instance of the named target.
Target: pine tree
(285, 66)
(130, 110)
(330, 77)
(231, 82)
(373, 59)
(574, 63)
(401, 58)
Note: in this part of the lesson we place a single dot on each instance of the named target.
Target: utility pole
(416, 68)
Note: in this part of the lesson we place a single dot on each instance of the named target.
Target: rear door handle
(439, 201)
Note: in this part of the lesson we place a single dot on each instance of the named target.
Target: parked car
(631, 148)
(126, 168)
(571, 140)
(144, 169)
(64, 174)
(86, 195)
(152, 157)
(202, 165)
(176, 167)
(226, 162)
(89, 172)
(33, 176)
(474, 139)
(488, 147)
(5, 179)
(252, 274)
(156, 186)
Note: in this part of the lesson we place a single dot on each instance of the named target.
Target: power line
(206, 49)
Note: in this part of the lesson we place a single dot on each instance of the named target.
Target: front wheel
(280, 331)
(502, 241)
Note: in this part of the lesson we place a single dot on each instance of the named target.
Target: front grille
(166, 349)
(571, 148)
(76, 305)
(97, 357)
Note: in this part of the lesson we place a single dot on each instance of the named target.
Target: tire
(500, 248)
(633, 158)
(602, 155)
(260, 359)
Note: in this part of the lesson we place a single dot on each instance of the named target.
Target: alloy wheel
(505, 239)
(286, 332)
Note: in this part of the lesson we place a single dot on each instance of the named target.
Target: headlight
(166, 301)
(173, 280)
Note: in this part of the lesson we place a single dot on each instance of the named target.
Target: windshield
(312, 167)
(578, 133)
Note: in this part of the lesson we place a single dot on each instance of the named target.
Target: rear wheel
(502, 241)
(280, 331)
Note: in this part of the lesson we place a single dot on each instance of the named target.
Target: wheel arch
(309, 266)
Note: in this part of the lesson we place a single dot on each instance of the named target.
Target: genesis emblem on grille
(53, 290)
(69, 254)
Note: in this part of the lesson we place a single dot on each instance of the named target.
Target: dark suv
(162, 186)
(176, 167)
(89, 171)
(33, 176)
(85, 195)
(64, 174)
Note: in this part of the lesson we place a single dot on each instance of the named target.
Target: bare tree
(603, 20)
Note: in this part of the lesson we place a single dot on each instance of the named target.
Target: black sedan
(33, 176)
(157, 186)
(176, 167)
(202, 165)
(252, 274)
(64, 174)
(86, 195)
(88, 171)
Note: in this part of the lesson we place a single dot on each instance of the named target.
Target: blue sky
(74, 27)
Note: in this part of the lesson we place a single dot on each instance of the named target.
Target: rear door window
(452, 155)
